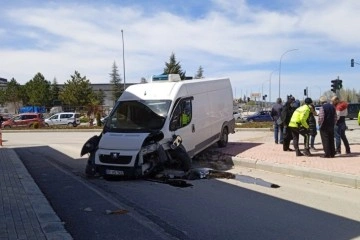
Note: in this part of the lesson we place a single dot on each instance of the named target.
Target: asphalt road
(210, 209)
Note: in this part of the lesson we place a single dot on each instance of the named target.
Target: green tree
(54, 92)
(13, 93)
(77, 91)
(2, 97)
(173, 67)
(38, 91)
(100, 96)
(115, 81)
(199, 73)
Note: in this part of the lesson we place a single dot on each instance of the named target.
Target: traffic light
(305, 93)
(339, 84)
(352, 62)
(334, 85)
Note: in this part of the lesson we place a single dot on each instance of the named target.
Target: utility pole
(123, 55)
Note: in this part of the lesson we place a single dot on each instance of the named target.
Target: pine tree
(38, 91)
(54, 92)
(13, 93)
(115, 80)
(173, 67)
(77, 91)
(199, 73)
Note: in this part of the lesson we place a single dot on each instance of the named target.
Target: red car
(24, 120)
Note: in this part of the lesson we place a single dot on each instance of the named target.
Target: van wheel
(70, 125)
(183, 158)
(223, 138)
(90, 169)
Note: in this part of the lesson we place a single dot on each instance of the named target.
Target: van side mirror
(174, 123)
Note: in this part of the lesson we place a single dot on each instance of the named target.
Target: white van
(64, 118)
(207, 105)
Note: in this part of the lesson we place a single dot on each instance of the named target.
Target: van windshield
(138, 116)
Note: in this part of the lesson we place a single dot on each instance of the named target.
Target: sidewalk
(24, 211)
(258, 150)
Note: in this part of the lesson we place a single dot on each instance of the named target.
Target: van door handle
(193, 127)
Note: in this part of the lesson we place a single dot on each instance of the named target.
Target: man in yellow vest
(299, 126)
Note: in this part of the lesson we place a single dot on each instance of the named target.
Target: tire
(224, 138)
(90, 169)
(181, 155)
(70, 124)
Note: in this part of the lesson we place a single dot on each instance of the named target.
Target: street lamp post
(280, 65)
(123, 55)
(270, 85)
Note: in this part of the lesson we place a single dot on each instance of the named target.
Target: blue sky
(243, 40)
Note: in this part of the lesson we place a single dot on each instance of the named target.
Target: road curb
(316, 174)
(51, 225)
(253, 129)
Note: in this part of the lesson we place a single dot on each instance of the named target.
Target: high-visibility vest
(300, 116)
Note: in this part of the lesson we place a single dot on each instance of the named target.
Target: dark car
(261, 116)
(353, 110)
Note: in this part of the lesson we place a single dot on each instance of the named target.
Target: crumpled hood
(122, 141)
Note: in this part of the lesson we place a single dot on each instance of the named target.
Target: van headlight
(149, 148)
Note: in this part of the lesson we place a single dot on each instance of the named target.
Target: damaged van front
(132, 143)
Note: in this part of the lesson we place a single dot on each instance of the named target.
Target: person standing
(1, 120)
(299, 126)
(327, 119)
(286, 114)
(278, 126)
(340, 126)
(312, 126)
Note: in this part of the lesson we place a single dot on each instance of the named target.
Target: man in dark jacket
(275, 115)
(312, 126)
(286, 114)
(1, 120)
(327, 120)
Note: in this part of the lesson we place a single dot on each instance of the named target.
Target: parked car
(24, 120)
(64, 118)
(353, 110)
(261, 116)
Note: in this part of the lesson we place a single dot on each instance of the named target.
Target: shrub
(36, 125)
(84, 120)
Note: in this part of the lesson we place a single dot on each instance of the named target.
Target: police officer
(299, 126)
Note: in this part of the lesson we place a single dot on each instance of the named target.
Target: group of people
(292, 120)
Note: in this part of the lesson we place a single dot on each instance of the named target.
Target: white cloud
(232, 39)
